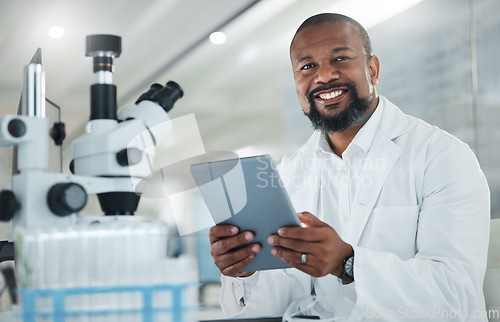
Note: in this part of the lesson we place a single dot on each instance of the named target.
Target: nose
(326, 73)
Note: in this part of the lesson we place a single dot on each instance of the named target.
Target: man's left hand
(324, 249)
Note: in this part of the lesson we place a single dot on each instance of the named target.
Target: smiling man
(395, 211)
(335, 74)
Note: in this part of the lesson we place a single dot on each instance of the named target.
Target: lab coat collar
(379, 162)
(393, 122)
(364, 137)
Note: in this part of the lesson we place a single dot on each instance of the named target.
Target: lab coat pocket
(392, 229)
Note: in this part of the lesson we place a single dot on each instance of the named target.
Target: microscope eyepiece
(165, 96)
(147, 96)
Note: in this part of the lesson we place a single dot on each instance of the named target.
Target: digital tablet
(248, 193)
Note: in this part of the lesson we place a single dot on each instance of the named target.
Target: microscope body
(123, 147)
(122, 151)
(45, 199)
(109, 161)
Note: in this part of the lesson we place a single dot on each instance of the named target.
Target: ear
(374, 69)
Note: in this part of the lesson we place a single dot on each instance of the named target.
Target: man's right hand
(230, 262)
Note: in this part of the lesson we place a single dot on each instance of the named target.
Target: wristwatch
(347, 275)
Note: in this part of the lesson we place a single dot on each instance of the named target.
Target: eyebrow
(334, 50)
(338, 49)
(302, 59)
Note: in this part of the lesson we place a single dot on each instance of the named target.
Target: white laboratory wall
(488, 98)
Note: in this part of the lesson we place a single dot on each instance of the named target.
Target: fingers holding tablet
(227, 252)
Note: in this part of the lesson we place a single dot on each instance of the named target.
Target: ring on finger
(303, 258)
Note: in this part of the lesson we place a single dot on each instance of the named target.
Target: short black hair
(337, 17)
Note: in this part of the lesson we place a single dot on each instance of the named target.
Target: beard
(351, 116)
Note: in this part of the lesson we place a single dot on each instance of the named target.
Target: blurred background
(439, 62)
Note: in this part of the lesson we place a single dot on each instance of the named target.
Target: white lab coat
(419, 229)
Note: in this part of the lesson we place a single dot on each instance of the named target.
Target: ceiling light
(217, 38)
(56, 32)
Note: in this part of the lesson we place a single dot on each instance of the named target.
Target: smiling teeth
(327, 96)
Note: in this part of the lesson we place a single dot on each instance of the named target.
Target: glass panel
(426, 64)
(487, 26)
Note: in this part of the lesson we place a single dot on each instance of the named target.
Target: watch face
(348, 266)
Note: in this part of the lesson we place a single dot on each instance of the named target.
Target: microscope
(106, 267)
(109, 161)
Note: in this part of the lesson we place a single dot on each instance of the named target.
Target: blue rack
(59, 311)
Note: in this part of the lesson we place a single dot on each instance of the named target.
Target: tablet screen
(248, 193)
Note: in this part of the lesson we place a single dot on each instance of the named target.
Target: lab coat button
(345, 219)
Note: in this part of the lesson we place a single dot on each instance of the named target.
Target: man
(396, 212)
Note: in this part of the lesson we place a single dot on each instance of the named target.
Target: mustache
(328, 86)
